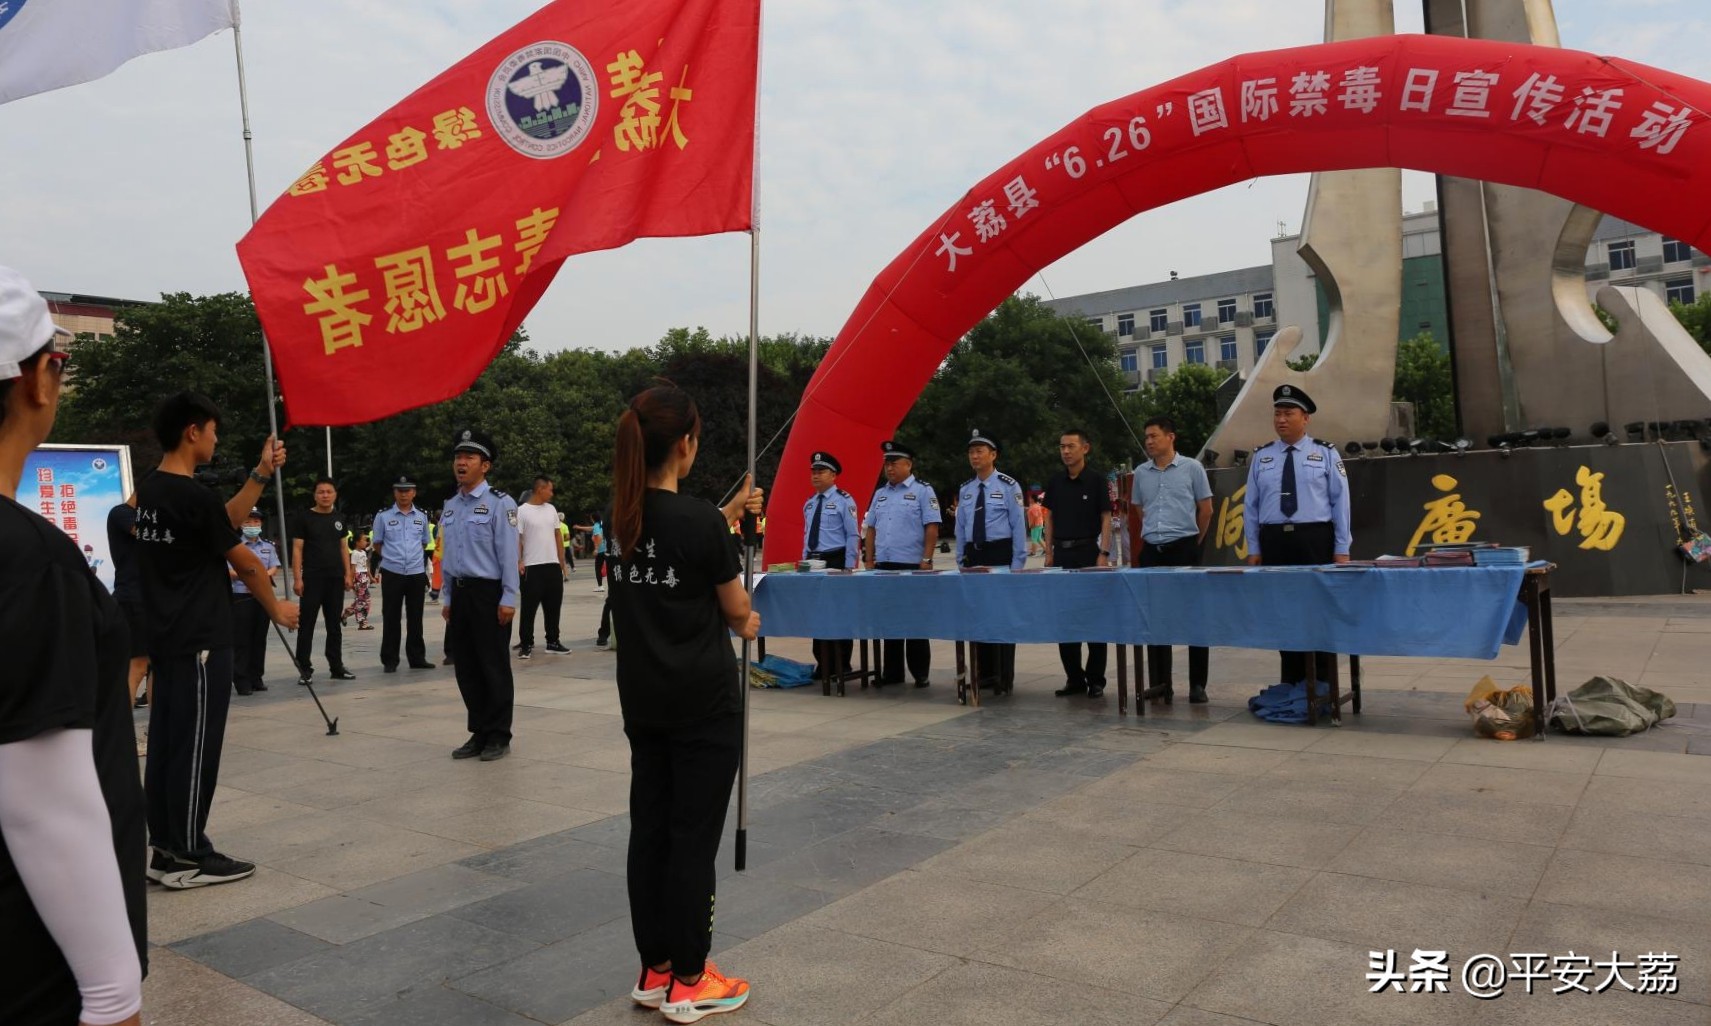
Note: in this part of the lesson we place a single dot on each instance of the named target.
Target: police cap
(826, 461)
(979, 437)
(478, 442)
(403, 483)
(896, 451)
(1290, 395)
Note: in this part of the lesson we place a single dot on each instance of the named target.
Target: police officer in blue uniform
(991, 525)
(400, 536)
(479, 568)
(249, 620)
(1297, 505)
(902, 526)
(833, 533)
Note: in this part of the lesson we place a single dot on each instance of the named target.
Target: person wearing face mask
(249, 619)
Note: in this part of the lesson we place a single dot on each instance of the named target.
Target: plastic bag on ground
(1605, 705)
(1503, 714)
(778, 672)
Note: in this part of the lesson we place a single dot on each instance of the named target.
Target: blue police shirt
(265, 552)
(899, 517)
(402, 538)
(1005, 517)
(478, 530)
(840, 528)
(1321, 485)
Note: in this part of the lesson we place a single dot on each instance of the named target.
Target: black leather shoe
(1095, 690)
(390, 669)
(923, 682)
(422, 666)
(1197, 694)
(469, 749)
(1162, 692)
(447, 661)
(1071, 689)
(258, 686)
(342, 675)
(495, 751)
(243, 691)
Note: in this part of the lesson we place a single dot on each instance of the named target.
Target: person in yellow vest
(433, 549)
(564, 543)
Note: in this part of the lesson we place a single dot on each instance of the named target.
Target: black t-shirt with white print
(183, 535)
(67, 649)
(675, 661)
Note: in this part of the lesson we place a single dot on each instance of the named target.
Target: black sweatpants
(249, 643)
(832, 651)
(402, 594)
(916, 652)
(543, 589)
(1076, 557)
(323, 595)
(188, 700)
(996, 662)
(680, 786)
(1184, 551)
(481, 646)
(1306, 545)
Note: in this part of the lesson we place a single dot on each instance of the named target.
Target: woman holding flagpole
(676, 592)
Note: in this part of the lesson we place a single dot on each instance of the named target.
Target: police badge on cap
(403, 483)
(826, 461)
(895, 451)
(1290, 395)
(478, 442)
(979, 437)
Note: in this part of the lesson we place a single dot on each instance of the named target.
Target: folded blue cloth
(1285, 703)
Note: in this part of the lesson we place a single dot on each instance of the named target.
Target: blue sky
(874, 117)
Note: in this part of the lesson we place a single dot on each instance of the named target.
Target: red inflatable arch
(1616, 136)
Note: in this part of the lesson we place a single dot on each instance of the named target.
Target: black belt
(464, 582)
(1287, 528)
(1071, 543)
(989, 543)
(826, 554)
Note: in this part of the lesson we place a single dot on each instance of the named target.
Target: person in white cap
(72, 842)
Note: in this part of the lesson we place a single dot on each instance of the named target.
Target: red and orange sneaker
(651, 987)
(715, 993)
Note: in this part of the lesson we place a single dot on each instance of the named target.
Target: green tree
(1423, 378)
(1696, 318)
(1020, 375)
(1303, 363)
(1188, 396)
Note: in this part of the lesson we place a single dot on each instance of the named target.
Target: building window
(1159, 320)
(1226, 311)
(1679, 290)
(1194, 352)
(1261, 340)
(1262, 305)
(1226, 347)
(1191, 315)
(1129, 361)
(1675, 251)
(1125, 325)
(1622, 256)
(1161, 359)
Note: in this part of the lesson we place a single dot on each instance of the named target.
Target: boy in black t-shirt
(185, 538)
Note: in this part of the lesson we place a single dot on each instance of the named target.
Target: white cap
(25, 325)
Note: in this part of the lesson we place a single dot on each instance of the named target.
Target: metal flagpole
(266, 352)
(749, 544)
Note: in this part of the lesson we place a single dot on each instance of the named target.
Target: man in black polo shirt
(1078, 534)
(321, 573)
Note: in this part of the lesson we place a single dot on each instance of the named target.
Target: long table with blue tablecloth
(1445, 612)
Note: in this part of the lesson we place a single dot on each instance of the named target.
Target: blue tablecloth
(1456, 612)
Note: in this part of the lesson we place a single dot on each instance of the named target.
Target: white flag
(50, 44)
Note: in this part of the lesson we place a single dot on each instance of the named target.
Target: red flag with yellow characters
(411, 252)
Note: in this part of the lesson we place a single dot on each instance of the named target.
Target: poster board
(74, 487)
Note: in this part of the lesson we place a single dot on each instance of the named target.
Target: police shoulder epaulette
(1266, 445)
(965, 484)
(845, 494)
(1006, 478)
(497, 494)
(1323, 444)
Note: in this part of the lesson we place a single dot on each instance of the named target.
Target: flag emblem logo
(542, 99)
(8, 8)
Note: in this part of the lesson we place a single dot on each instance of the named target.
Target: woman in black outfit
(676, 593)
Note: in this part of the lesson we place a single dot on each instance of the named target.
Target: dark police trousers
(917, 652)
(997, 661)
(834, 652)
(1184, 551)
(1299, 545)
(482, 647)
(249, 642)
(323, 595)
(402, 594)
(680, 787)
(543, 589)
(1076, 554)
(188, 699)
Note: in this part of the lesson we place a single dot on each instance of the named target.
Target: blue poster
(74, 487)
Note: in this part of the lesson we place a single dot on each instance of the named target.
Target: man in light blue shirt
(1173, 498)
(249, 620)
(1297, 506)
(401, 536)
(832, 532)
(478, 529)
(991, 524)
(902, 526)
